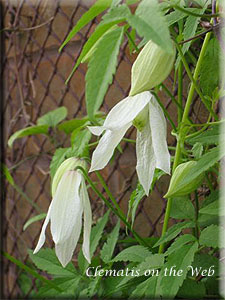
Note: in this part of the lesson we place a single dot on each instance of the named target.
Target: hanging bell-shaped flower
(70, 201)
(151, 68)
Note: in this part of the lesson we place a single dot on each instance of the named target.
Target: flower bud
(176, 188)
(142, 118)
(69, 164)
(151, 67)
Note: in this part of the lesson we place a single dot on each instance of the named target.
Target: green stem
(191, 13)
(183, 123)
(165, 112)
(180, 92)
(110, 206)
(108, 192)
(31, 271)
(32, 203)
(129, 140)
(171, 96)
(193, 79)
(132, 41)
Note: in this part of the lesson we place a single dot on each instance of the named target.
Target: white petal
(42, 235)
(159, 133)
(96, 130)
(126, 110)
(87, 221)
(66, 206)
(64, 250)
(106, 147)
(146, 161)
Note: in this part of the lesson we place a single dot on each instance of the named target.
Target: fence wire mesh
(34, 75)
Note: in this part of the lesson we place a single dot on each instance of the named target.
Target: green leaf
(174, 17)
(209, 72)
(203, 164)
(68, 285)
(78, 149)
(97, 231)
(197, 150)
(92, 40)
(58, 158)
(150, 23)
(131, 2)
(25, 283)
(135, 199)
(190, 28)
(80, 139)
(96, 234)
(131, 41)
(115, 3)
(146, 289)
(152, 261)
(210, 236)
(214, 196)
(109, 288)
(93, 287)
(212, 285)
(204, 261)
(116, 15)
(173, 231)
(109, 246)
(101, 69)
(71, 125)
(138, 194)
(53, 117)
(34, 219)
(212, 209)
(179, 242)
(179, 260)
(209, 137)
(94, 11)
(32, 130)
(134, 254)
(46, 260)
(192, 289)
(150, 264)
(206, 220)
(182, 208)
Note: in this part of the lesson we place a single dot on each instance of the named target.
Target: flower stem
(108, 192)
(193, 79)
(180, 92)
(184, 120)
(121, 217)
(165, 112)
(32, 272)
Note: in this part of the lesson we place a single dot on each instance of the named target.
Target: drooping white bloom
(151, 146)
(70, 201)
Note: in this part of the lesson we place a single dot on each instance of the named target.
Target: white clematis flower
(152, 152)
(70, 201)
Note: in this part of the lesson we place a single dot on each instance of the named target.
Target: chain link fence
(34, 75)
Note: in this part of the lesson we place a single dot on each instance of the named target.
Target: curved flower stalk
(70, 201)
(152, 152)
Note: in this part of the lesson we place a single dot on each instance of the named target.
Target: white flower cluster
(70, 198)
